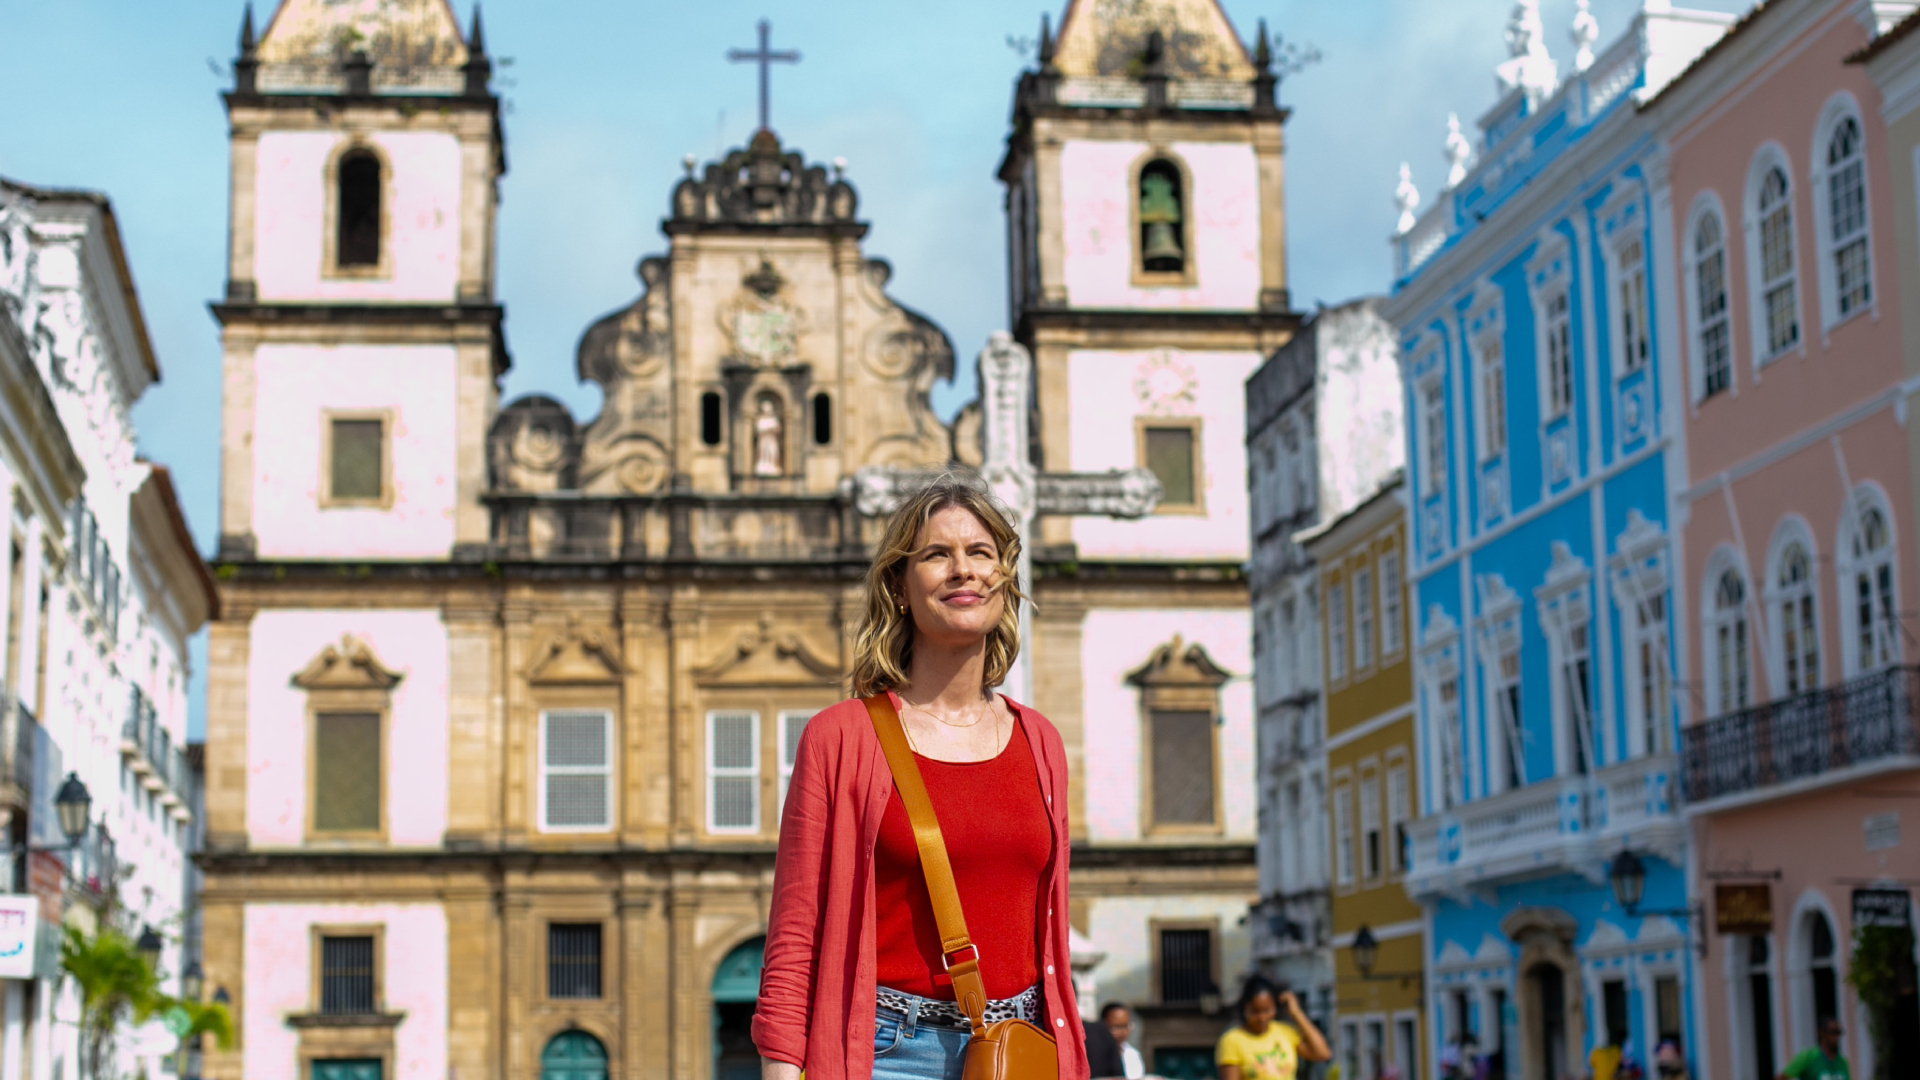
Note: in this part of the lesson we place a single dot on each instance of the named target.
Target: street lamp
(192, 981)
(149, 947)
(221, 997)
(75, 805)
(1365, 951)
(1629, 878)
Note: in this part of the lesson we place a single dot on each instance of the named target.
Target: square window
(347, 975)
(1186, 966)
(1170, 453)
(576, 771)
(346, 772)
(1183, 781)
(733, 772)
(792, 724)
(356, 459)
(573, 960)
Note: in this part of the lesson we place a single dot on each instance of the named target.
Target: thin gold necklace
(977, 716)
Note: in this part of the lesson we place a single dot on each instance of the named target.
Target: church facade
(502, 702)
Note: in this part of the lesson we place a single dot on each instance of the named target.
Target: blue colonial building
(1542, 400)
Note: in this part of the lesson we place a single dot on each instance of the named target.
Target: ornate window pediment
(349, 665)
(574, 655)
(764, 656)
(1179, 676)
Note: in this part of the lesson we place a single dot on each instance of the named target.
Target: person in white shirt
(1119, 1020)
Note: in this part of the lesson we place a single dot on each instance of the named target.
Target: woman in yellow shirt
(1265, 1048)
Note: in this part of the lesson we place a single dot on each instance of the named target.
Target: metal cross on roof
(764, 56)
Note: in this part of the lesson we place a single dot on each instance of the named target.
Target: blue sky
(604, 98)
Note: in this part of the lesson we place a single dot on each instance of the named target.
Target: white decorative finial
(688, 163)
(1586, 31)
(1406, 197)
(1459, 151)
(1528, 66)
(839, 167)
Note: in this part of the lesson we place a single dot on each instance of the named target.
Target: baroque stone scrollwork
(576, 654)
(765, 184)
(629, 354)
(533, 446)
(350, 665)
(763, 655)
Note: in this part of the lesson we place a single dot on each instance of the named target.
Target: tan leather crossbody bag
(1005, 1049)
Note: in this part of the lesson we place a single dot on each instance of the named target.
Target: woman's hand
(1313, 1045)
(778, 1070)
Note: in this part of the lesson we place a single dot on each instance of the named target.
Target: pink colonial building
(1794, 488)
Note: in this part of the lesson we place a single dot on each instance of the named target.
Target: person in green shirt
(1821, 1062)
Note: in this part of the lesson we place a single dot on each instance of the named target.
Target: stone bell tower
(361, 337)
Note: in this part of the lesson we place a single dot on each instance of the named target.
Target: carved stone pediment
(766, 656)
(350, 665)
(1180, 676)
(574, 654)
(629, 355)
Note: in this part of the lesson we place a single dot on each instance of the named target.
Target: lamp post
(1366, 953)
(192, 981)
(149, 946)
(74, 804)
(1628, 876)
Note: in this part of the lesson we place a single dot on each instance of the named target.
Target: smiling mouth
(962, 598)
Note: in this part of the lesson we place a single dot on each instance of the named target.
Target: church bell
(1161, 243)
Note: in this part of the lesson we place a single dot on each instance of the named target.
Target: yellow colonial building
(1370, 782)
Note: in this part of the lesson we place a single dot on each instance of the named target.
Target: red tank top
(1001, 847)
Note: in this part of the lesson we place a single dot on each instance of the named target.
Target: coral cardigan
(817, 986)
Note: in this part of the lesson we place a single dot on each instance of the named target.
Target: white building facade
(1323, 431)
(102, 591)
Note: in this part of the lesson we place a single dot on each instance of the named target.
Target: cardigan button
(1049, 969)
(1059, 1022)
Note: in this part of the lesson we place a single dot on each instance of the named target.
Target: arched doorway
(1548, 985)
(736, 986)
(573, 1055)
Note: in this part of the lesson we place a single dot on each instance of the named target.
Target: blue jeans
(906, 1048)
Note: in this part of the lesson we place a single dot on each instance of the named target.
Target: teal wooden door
(347, 1069)
(573, 1055)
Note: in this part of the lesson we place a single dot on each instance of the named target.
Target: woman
(1262, 1048)
(854, 983)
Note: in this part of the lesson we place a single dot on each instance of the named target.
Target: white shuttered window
(791, 725)
(576, 771)
(733, 772)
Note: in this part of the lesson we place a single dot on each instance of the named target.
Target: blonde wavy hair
(883, 649)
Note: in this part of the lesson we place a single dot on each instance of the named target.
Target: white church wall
(279, 982)
(1108, 391)
(1122, 927)
(1116, 641)
(420, 240)
(1096, 181)
(295, 386)
(413, 643)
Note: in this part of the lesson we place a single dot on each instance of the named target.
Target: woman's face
(950, 582)
(1259, 1013)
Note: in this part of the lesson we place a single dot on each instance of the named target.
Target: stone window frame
(590, 702)
(347, 679)
(710, 773)
(316, 932)
(330, 268)
(330, 501)
(1179, 677)
(1156, 929)
(333, 1036)
(1140, 277)
(1194, 424)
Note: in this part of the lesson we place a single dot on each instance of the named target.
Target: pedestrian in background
(1119, 1021)
(1264, 1046)
(855, 983)
(1821, 1062)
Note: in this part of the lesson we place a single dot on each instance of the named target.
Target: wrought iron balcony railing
(1870, 718)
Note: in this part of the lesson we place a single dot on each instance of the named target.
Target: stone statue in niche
(767, 431)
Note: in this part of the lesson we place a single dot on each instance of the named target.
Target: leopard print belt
(1022, 1006)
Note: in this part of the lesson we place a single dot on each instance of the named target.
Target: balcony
(1794, 743)
(1566, 824)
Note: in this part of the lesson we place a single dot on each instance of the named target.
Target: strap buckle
(947, 961)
